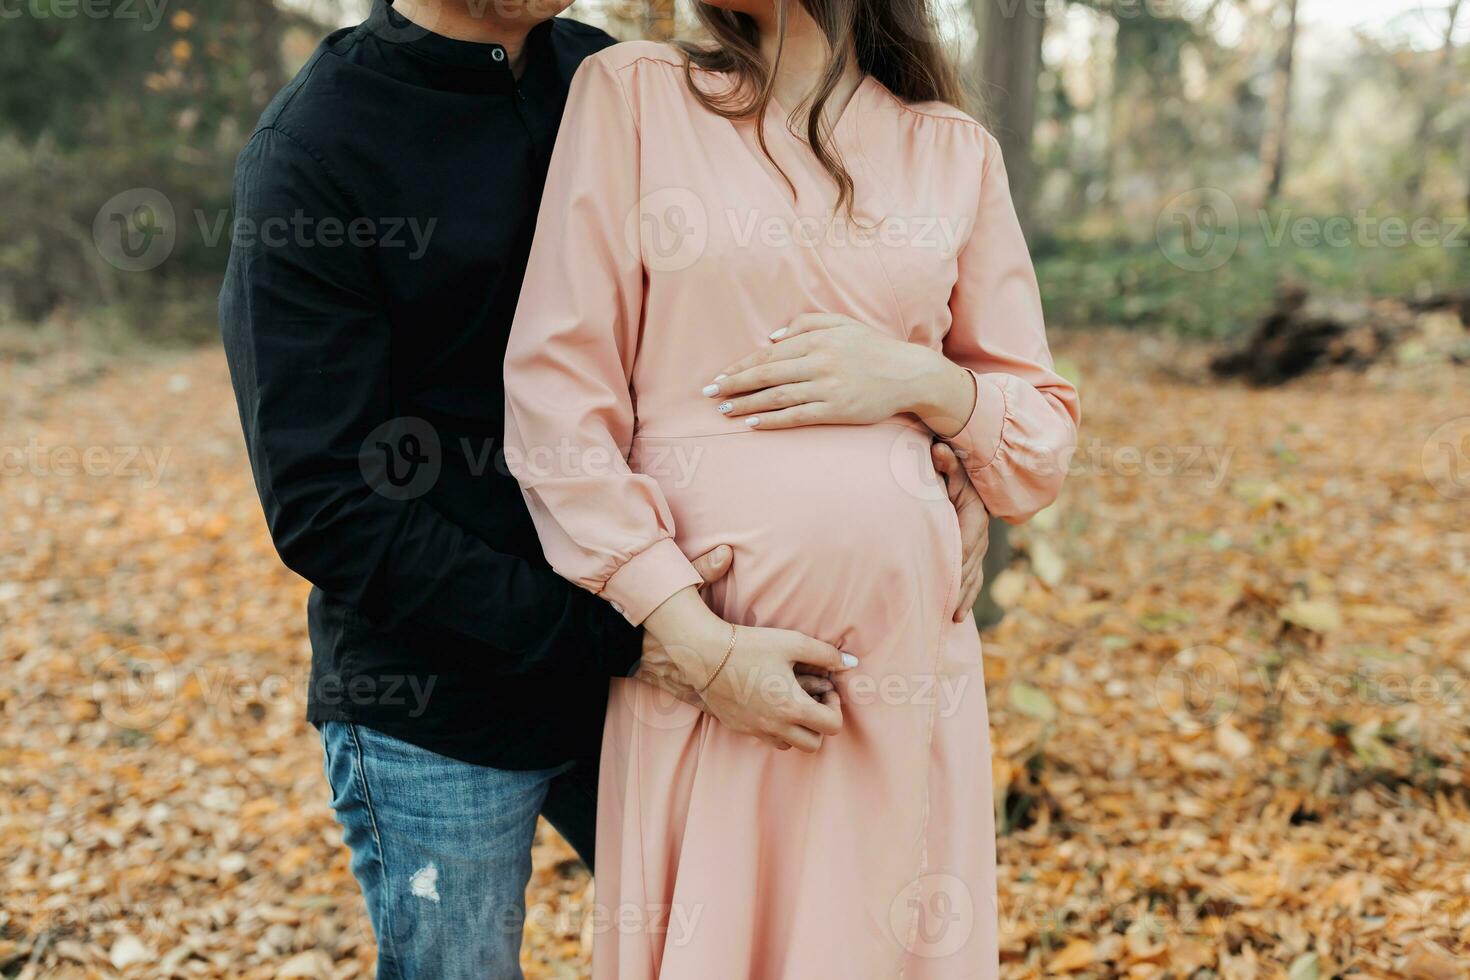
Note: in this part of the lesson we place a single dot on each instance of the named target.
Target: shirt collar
(475, 56)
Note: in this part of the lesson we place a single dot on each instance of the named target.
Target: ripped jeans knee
(441, 850)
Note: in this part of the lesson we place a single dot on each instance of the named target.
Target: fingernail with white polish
(848, 660)
(777, 335)
(725, 408)
(753, 421)
(711, 391)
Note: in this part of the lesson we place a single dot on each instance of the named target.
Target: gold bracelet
(723, 660)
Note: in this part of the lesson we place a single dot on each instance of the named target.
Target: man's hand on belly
(658, 668)
(974, 526)
(755, 689)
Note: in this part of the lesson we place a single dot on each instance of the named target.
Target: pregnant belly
(842, 532)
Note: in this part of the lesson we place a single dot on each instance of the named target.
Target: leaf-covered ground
(1230, 700)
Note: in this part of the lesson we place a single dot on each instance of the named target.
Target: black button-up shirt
(384, 209)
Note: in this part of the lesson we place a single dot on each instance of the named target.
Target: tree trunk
(1109, 109)
(1010, 66)
(658, 21)
(1430, 106)
(1273, 145)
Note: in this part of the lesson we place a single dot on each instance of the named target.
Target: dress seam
(633, 115)
(654, 956)
(862, 155)
(660, 61)
(962, 120)
(904, 106)
(949, 592)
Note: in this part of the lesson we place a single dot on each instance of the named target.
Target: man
(384, 211)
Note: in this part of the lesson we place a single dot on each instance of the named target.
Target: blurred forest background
(1230, 693)
(1113, 113)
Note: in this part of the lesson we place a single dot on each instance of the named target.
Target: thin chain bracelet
(729, 649)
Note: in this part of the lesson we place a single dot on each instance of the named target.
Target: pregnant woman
(769, 273)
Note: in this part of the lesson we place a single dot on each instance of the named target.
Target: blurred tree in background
(158, 97)
(1162, 126)
(1110, 111)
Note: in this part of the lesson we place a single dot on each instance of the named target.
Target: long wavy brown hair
(895, 41)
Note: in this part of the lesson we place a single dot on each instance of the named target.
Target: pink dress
(669, 247)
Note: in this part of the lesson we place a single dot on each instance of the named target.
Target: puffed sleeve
(569, 408)
(1019, 439)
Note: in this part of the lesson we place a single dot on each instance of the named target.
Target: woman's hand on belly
(757, 691)
(826, 369)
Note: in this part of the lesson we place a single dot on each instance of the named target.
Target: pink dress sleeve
(569, 409)
(1020, 436)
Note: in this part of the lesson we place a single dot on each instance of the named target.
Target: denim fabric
(442, 849)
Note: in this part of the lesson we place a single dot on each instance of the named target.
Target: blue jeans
(442, 849)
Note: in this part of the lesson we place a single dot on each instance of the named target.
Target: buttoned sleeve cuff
(980, 440)
(648, 579)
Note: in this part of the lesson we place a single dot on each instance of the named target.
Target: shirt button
(497, 53)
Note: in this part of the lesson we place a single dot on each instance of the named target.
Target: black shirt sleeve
(308, 345)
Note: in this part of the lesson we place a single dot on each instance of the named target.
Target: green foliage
(1132, 282)
(98, 98)
(144, 73)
